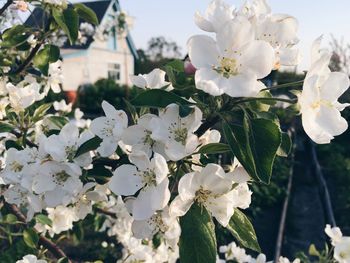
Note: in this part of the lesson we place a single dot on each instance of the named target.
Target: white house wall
(88, 66)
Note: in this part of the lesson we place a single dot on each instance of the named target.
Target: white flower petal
(125, 180)
(203, 51)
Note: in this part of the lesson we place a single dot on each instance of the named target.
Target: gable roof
(100, 7)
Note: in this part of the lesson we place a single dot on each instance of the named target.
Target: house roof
(100, 7)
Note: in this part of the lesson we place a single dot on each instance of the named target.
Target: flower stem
(291, 101)
(286, 85)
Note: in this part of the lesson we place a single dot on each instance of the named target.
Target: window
(114, 71)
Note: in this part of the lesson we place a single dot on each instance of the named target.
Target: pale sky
(174, 19)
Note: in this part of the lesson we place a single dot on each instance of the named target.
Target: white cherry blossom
(24, 93)
(139, 136)
(31, 259)
(148, 175)
(177, 133)
(216, 15)
(211, 188)
(153, 80)
(234, 63)
(62, 106)
(109, 128)
(318, 101)
(57, 182)
(55, 78)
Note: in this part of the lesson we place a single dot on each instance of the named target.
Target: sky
(174, 20)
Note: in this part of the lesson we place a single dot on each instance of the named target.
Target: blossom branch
(27, 61)
(48, 244)
(286, 85)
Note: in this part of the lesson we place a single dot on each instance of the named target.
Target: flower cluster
(250, 42)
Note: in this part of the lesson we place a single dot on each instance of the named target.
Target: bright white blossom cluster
(250, 42)
(154, 164)
(25, 93)
(232, 252)
(130, 234)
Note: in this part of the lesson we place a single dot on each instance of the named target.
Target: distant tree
(340, 60)
(158, 52)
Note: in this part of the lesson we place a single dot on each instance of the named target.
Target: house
(111, 56)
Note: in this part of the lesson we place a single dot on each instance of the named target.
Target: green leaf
(30, 237)
(214, 148)
(14, 36)
(100, 173)
(88, 146)
(68, 21)
(242, 229)
(40, 112)
(43, 219)
(286, 145)
(63, 260)
(13, 144)
(197, 240)
(58, 121)
(86, 13)
(49, 54)
(5, 127)
(10, 219)
(255, 145)
(262, 106)
(157, 98)
(177, 65)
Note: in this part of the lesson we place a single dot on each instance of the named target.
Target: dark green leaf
(88, 146)
(30, 237)
(100, 173)
(197, 240)
(5, 127)
(43, 219)
(13, 144)
(68, 21)
(286, 145)
(255, 145)
(86, 13)
(238, 144)
(243, 231)
(214, 148)
(158, 98)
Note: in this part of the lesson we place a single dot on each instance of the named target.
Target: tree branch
(207, 125)
(48, 244)
(28, 59)
(5, 6)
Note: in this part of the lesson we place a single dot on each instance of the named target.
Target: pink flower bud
(189, 68)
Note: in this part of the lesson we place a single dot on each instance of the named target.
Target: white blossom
(109, 128)
(211, 188)
(177, 133)
(318, 101)
(148, 175)
(31, 259)
(234, 63)
(153, 80)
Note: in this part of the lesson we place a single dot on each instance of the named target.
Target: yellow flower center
(228, 67)
(202, 195)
